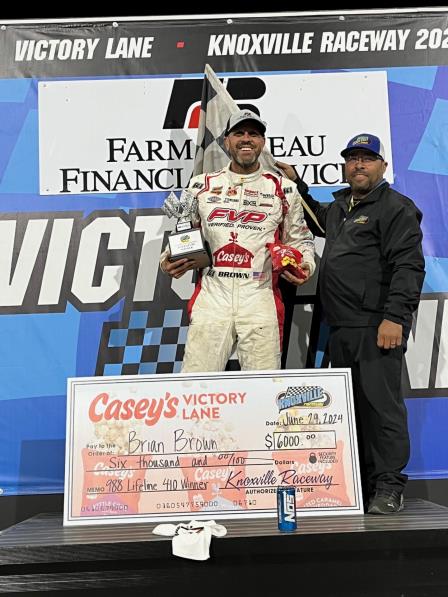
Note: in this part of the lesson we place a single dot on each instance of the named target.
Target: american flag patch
(258, 275)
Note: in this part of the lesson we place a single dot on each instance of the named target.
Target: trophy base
(201, 259)
(189, 245)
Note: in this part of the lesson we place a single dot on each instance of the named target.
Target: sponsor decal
(240, 226)
(288, 190)
(216, 190)
(251, 203)
(250, 193)
(197, 185)
(232, 192)
(266, 205)
(362, 140)
(232, 215)
(213, 200)
(233, 255)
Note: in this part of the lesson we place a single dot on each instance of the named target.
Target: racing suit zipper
(236, 281)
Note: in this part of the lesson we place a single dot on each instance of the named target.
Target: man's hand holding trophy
(187, 245)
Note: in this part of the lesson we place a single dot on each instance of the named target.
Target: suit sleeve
(195, 187)
(296, 232)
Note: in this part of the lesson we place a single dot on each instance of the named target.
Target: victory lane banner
(169, 447)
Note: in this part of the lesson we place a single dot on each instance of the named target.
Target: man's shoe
(386, 501)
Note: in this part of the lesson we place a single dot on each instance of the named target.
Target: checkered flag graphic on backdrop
(153, 341)
(149, 337)
(217, 105)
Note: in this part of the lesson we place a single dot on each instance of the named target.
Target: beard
(361, 187)
(245, 161)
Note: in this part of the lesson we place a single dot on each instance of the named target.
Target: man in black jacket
(371, 274)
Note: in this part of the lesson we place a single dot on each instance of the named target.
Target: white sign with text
(113, 135)
(172, 447)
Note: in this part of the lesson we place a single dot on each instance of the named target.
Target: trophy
(187, 242)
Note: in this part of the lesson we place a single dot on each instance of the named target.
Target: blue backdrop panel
(427, 425)
(38, 351)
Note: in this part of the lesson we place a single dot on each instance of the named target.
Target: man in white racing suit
(237, 301)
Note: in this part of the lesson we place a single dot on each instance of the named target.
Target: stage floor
(400, 555)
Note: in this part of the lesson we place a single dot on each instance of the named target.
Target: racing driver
(237, 302)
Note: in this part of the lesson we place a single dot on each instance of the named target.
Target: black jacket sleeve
(401, 238)
(319, 210)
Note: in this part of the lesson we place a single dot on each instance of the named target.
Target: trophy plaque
(187, 242)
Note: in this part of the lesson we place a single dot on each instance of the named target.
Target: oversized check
(182, 446)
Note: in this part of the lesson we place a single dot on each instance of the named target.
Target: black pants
(381, 415)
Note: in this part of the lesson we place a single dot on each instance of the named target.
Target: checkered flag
(216, 107)
(295, 390)
(304, 393)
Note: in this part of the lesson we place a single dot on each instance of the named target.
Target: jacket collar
(344, 194)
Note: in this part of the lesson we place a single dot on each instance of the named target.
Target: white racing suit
(237, 301)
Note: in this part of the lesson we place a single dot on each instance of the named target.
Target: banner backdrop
(98, 123)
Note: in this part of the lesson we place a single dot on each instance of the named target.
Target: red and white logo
(250, 193)
(233, 255)
(232, 215)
